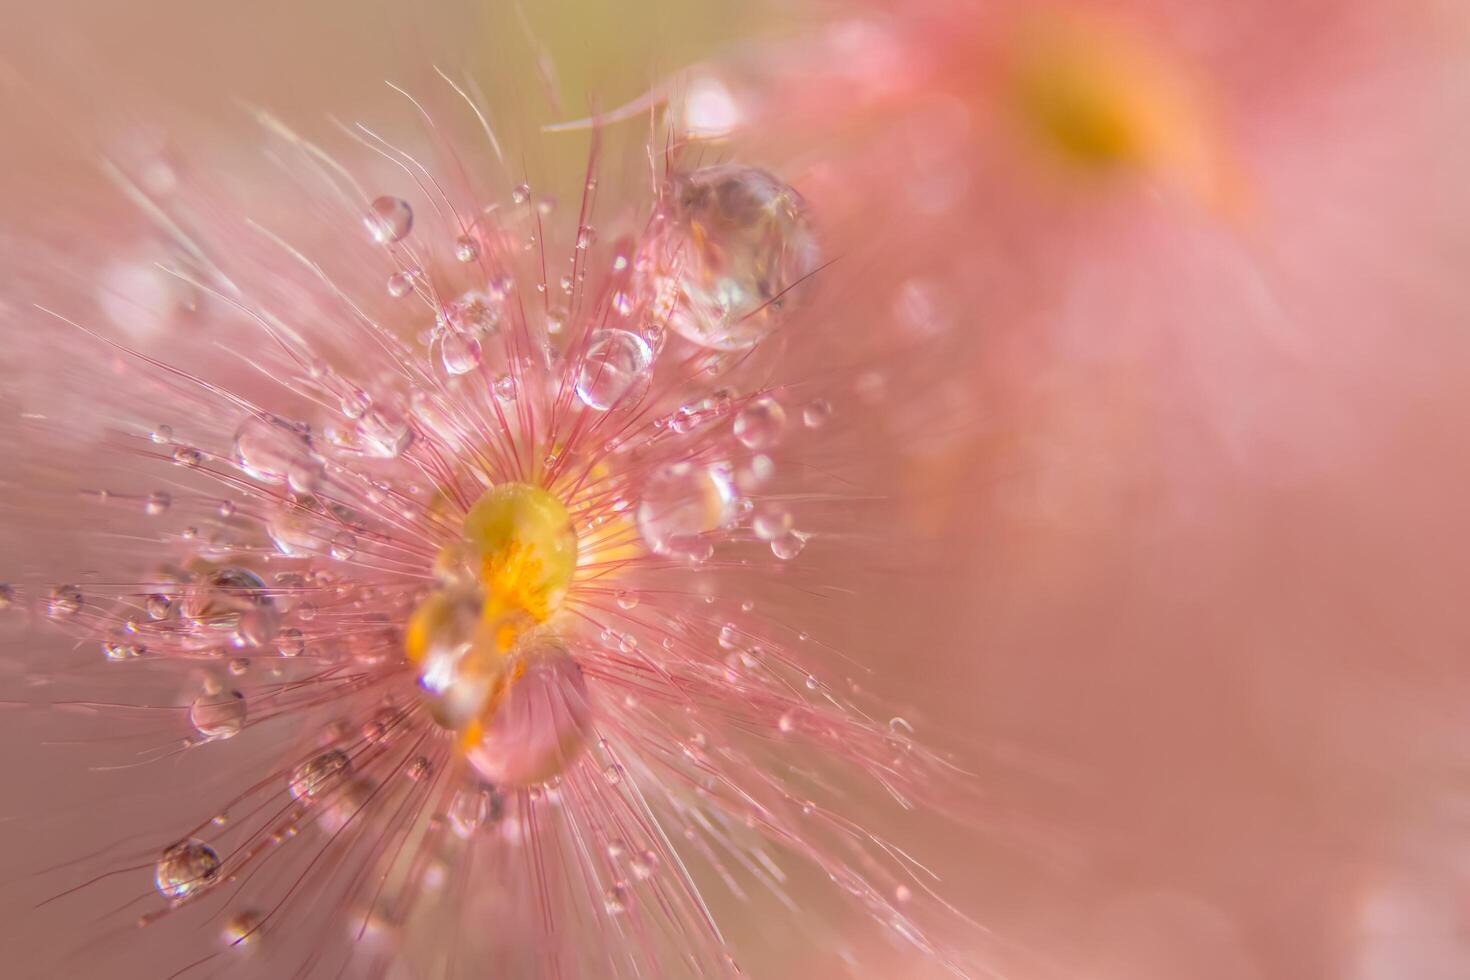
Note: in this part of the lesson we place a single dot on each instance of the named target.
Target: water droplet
(786, 723)
(788, 545)
(460, 354)
(218, 716)
(771, 521)
(466, 249)
(626, 599)
(243, 928)
(586, 236)
(729, 637)
(232, 601)
(816, 414)
(400, 284)
(388, 220)
(616, 900)
(385, 432)
(186, 868)
(118, 650)
(344, 546)
(65, 600)
(683, 501)
(355, 403)
(418, 769)
(291, 643)
(615, 364)
(759, 424)
(473, 808)
(812, 683)
(900, 726)
(188, 456)
(613, 773)
(505, 388)
(317, 776)
(162, 434)
(267, 448)
(728, 260)
(521, 193)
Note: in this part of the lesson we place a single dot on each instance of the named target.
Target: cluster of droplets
(673, 458)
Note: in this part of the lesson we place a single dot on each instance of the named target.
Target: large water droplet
(186, 868)
(232, 602)
(726, 265)
(218, 716)
(683, 501)
(269, 448)
(616, 363)
(388, 220)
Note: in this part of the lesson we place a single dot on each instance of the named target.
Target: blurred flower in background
(833, 491)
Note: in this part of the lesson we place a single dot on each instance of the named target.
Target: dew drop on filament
(615, 363)
(218, 716)
(389, 220)
(759, 424)
(185, 868)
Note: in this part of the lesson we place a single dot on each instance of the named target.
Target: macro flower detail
(467, 565)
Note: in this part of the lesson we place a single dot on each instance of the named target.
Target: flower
(473, 557)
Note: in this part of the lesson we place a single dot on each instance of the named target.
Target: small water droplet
(65, 600)
(385, 432)
(291, 643)
(626, 599)
(243, 928)
(816, 414)
(389, 219)
(613, 368)
(316, 777)
(459, 353)
(466, 249)
(218, 716)
(759, 424)
(473, 808)
(162, 434)
(788, 545)
(521, 193)
(400, 284)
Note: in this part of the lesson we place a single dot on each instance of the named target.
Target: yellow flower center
(508, 573)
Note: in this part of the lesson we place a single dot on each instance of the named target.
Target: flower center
(506, 575)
